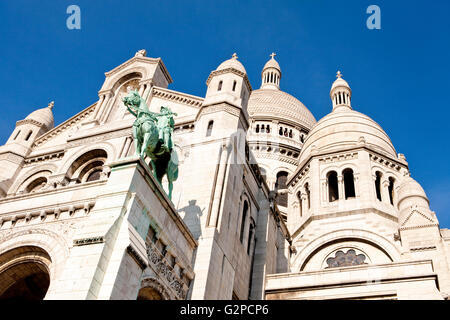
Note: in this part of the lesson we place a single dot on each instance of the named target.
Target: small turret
(228, 83)
(341, 94)
(34, 125)
(271, 74)
(20, 142)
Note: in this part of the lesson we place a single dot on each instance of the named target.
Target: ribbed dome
(272, 63)
(44, 116)
(232, 63)
(346, 128)
(411, 188)
(276, 104)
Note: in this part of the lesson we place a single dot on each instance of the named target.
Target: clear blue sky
(400, 75)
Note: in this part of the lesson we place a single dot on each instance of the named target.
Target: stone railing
(166, 272)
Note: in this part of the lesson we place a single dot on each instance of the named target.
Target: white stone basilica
(269, 203)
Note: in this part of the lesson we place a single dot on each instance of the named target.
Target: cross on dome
(273, 55)
(234, 56)
(338, 74)
(51, 104)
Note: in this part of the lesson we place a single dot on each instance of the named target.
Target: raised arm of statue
(131, 111)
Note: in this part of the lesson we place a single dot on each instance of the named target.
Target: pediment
(62, 132)
(418, 219)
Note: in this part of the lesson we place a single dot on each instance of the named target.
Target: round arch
(24, 273)
(112, 82)
(340, 235)
(55, 247)
(107, 147)
(25, 176)
(153, 289)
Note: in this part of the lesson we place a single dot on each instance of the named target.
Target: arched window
(257, 128)
(280, 131)
(290, 133)
(308, 195)
(333, 189)
(299, 198)
(36, 185)
(220, 85)
(244, 218)
(234, 85)
(378, 184)
(268, 129)
(210, 127)
(94, 175)
(349, 183)
(391, 190)
(28, 135)
(88, 166)
(251, 232)
(282, 184)
(17, 135)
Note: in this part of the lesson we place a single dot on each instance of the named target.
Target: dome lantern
(340, 93)
(271, 74)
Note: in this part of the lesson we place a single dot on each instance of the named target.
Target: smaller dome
(411, 188)
(272, 63)
(44, 116)
(347, 128)
(232, 63)
(339, 82)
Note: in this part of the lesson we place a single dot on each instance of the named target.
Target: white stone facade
(268, 204)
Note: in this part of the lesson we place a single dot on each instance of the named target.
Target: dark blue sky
(400, 75)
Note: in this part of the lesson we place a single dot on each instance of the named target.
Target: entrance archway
(24, 273)
(149, 294)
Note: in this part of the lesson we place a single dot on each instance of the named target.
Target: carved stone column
(108, 107)
(99, 105)
(385, 191)
(341, 188)
(304, 204)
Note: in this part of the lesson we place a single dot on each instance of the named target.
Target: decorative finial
(51, 104)
(273, 55)
(339, 75)
(141, 53)
(234, 56)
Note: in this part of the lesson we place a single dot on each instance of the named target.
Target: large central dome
(270, 103)
(276, 104)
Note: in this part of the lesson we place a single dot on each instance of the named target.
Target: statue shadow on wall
(192, 214)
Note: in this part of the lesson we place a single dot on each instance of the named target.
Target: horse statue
(152, 133)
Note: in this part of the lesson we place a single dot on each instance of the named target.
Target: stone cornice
(227, 107)
(395, 162)
(228, 70)
(312, 217)
(32, 121)
(41, 213)
(56, 155)
(177, 97)
(274, 119)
